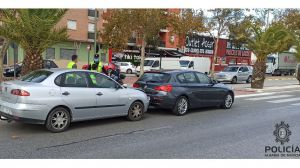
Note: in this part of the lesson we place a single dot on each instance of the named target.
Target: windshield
(184, 63)
(155, 77)
(36, 76)
(270, 60)
(231, 69)
(148, 62)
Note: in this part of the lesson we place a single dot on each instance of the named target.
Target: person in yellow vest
(73, 63)
(96, 63)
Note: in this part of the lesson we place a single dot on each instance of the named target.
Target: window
(67, 53)
(244, 69)
(124, 64)
(91, 27)
(187, 77)
(49, 64)
(91, 13)
(50, 53)
(73, 79)
(91, 35)
(72, 25)
(190, 77)
(155, 77)
(37, 76)
(101, 81)
(181, 78)
(203, 78)
(155, 64)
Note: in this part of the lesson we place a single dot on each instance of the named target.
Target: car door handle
(66, 93)
(99, 94)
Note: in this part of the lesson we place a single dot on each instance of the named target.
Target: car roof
(60, 70)
(172, 71)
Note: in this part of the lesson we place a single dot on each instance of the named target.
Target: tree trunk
(32, 62)
(142, 58)
(3, 52)
(214, 57)
(259, 72)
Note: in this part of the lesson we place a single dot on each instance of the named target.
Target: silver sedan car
(57, 97)
(235, 74)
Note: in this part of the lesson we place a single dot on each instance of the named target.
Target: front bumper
(223, 79)
(26, 113)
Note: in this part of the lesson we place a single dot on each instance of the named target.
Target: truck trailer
(281, 64)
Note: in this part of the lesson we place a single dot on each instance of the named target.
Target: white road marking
(284, 100)
(270, 97)
(296, 104)
(253, 95)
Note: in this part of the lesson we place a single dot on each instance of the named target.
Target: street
(240, 132)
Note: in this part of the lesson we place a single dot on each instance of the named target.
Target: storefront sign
(196, 44)
(241, 51)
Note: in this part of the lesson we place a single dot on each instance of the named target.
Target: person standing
(97, 63)
(73, 64)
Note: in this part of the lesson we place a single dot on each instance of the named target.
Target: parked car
(181, 90)
(57, 97)
(9, 71)
(126, 67)
(234, 74)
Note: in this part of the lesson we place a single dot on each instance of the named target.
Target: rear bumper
(21, 119)
(27, 113)
(166, 102)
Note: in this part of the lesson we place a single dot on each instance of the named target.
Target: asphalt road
(240, 132)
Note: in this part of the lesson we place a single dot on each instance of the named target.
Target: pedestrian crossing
(274, 98)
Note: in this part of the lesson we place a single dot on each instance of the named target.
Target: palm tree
(34, 30)
(263, 41)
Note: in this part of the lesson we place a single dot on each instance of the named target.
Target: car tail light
(19, 92)
(135, 85)
(165, 88)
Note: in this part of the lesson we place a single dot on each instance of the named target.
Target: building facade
(81, 25)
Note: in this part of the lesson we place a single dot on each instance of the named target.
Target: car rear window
(155, 77)
(36, 76)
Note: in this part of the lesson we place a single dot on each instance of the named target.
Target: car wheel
(228, 101)
(249, 80)
(234, 80)
(136, 111)
(129, 71)
(58, 120)
(181, 106)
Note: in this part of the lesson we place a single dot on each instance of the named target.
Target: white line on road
(270, 97)
(296, 104)
(265, 94)
(252, 95)
(284, 100)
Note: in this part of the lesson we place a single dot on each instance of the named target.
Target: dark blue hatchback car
(181, 90)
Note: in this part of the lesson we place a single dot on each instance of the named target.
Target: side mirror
(125, 85)
(240, 71)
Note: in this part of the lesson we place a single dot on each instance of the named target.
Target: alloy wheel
(59, 120)
(228, 101)
(182, 106)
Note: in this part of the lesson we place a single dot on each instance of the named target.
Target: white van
(166, 64)
(200, 64)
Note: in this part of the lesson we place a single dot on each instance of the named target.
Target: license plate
(6, 110)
